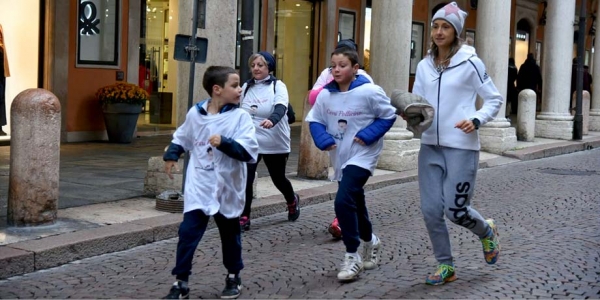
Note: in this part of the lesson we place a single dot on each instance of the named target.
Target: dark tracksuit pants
(351, 209)
(276, 166)
(191, 231)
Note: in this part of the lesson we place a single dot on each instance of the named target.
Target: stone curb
(28, 256)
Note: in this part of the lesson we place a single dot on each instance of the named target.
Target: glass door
(153, 65)
(293, 48)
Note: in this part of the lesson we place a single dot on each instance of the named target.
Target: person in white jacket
(450, 77)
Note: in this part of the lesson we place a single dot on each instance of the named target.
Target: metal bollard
(34, 158)
(526, 116)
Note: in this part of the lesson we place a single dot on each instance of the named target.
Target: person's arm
(182, 140)
(485, 88)
(324, 79)
(242, 145)
(385, 116)
(278, 112)
(318, 129)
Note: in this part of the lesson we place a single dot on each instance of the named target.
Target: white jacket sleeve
(183, 136)
(322, 80)
(492, 100)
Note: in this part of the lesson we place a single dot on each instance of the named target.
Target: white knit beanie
(452, 14)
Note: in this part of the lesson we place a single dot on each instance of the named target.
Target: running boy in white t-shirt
(216, 179)
(367, 115)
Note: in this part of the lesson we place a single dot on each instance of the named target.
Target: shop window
(346, 25)
(98, 33)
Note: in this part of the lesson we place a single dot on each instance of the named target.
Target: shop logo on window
(88, 23)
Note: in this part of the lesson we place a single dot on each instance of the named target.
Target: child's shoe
(351, 267)
(371, 253)
(233, 287)
(294, 209)
(444, 273)
(179, 290)
(335, 229)
(491, 244)
(245, 223)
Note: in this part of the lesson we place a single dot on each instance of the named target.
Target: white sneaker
(351, 267)
(371, 253)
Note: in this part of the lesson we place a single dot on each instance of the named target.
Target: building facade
(74, 47)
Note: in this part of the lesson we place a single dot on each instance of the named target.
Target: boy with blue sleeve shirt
(221, 140)
(349, 119)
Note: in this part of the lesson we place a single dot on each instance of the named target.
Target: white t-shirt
(344, 114)
(215, 182)
(326, 77)
(259, 102)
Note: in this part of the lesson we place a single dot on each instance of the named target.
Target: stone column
(312, 162)
(555, 121)
(34, 158)
(391, 28)
(585, 110)
(594, 123)
(492, 42)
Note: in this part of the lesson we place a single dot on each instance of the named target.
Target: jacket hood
(463, 54)
(334, 87)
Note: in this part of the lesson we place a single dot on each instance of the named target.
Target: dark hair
(216, 75)
(347, 43)
(352, 55)
(209, 150)
(342, 121)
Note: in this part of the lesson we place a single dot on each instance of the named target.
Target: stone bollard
(526, 116)
(585, 111)
(312, 162)
(34, 158)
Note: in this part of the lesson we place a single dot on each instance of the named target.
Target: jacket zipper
(438, 108)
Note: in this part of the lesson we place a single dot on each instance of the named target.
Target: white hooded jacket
(453, 93)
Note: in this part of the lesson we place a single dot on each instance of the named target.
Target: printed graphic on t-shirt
(253, 109)
(342, 126)
(205, 156)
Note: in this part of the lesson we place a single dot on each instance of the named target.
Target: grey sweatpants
(446, 184)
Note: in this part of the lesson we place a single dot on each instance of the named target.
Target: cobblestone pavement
(547, 211)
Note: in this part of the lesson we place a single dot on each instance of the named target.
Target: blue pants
(191, 231)
(351, 209)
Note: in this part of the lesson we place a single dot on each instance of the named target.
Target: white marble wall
(492, 42)
(555, 121)
(221, 34)
(391, 29)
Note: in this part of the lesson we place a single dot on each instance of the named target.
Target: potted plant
(121, 104)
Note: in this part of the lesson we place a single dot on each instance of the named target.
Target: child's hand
(266, 124)
(215, 140)
(334, 146)
(359, 141)
(169, 165)
(466, 126)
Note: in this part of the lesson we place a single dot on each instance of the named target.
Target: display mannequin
(4, 72)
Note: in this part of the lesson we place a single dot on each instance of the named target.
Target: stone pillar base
(399, 155)
(594, 120)
(554, 129)
(497, 140)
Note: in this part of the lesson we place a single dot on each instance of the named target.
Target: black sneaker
(233, 285)
(179, 290)
(294, 209)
